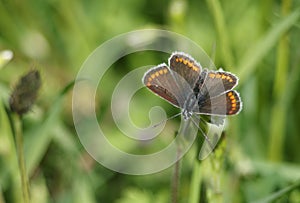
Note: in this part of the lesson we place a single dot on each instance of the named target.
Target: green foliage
(256, 40)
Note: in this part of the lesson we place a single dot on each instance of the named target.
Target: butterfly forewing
(160, 81)
(186, 67)
(217, 82)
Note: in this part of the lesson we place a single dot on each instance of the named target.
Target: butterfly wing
(161, 82)
(184, 77)
(227, 103)
(217, 82)
(186, 67)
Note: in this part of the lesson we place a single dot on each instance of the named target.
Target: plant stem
(176, 178)
(279, 111)
(256, 52)
(214, 174)
(217, 12)
(21, 160)
(196, 183)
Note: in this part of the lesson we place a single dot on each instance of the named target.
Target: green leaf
(38, 138)
(258, 51)
(8, 157)
(275, 196)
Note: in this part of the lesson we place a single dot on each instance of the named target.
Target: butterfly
(194, 90)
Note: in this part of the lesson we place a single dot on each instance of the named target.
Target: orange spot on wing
(195, 68)
(212, 75)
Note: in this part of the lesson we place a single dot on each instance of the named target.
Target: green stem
(196, 183)
(221, 27)
(175, 182)
(21, 160)
(214, 178)
(279, 110)
(176, 178)
(256, 52)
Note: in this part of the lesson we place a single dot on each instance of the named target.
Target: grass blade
(257, 52)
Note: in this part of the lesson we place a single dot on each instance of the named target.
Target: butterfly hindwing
(227, 103)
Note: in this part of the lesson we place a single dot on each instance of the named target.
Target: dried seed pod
(25, 92)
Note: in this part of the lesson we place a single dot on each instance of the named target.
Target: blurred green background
(258, 159)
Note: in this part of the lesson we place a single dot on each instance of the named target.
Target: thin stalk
(21, 160)
(176, 178)
(198, 169)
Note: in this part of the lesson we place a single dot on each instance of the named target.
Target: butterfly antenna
(159, 123)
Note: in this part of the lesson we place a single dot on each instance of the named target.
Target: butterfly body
(189, 105)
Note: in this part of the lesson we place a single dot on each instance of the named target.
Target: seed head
(25, 92)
